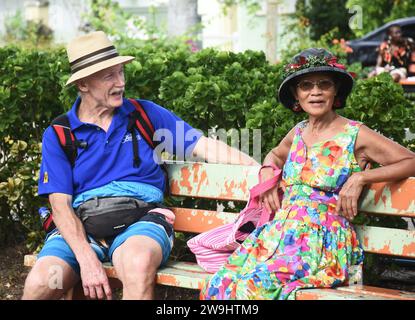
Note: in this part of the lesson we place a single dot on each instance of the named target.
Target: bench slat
(378, 292)
(390, 198)
(179, 274)
(409, 82)
(212, 181)
(190, 275)
(336, 294)
(396, 242)
(197, 221)
(389, 241)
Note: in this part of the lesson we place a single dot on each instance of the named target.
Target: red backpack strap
(67, 140)
(143, 123)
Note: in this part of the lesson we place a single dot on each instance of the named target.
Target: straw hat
(91, 53)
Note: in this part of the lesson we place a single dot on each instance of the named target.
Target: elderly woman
(310, 242)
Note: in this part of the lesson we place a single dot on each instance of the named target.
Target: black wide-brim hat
(314, 60)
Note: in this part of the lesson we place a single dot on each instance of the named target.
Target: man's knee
(35, 285)
(146, 262)
(139, 260)
(48, 279)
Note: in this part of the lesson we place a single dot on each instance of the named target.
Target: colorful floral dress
(306, 245)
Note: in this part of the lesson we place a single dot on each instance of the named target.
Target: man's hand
(269, 199)
(93, 276)
(349, 196)
(94, 279)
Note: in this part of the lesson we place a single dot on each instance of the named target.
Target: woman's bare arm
(276, 156)
(396, 162)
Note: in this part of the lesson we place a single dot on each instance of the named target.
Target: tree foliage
(26, 33)
(122, 26)
(322, 16)
(378, 12)
(252, 5)
(401, 9)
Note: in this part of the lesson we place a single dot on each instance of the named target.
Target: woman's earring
(297, 106)
(337, 103)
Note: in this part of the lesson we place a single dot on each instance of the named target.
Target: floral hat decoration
(315, 60)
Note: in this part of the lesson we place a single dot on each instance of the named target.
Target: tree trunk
(182, 17)
(271, 33)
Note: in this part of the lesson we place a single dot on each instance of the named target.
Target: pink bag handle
(262, 187)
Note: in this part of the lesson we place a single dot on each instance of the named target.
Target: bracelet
(270, 165)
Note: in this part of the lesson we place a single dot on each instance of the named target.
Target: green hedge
(208, 89)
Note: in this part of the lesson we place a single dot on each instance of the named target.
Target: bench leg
(355, 275)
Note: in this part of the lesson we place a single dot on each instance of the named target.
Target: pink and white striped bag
(212, 248)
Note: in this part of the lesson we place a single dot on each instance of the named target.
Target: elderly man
(113, 177)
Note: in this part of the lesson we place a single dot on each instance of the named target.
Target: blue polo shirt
(108, 158)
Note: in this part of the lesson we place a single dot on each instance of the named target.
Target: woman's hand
(270, 198)
(349, 196)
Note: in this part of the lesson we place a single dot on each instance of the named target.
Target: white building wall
(65, 19)
(237, 31)
(218, 30)
(65, 16)
(8, 8)
(240, 30)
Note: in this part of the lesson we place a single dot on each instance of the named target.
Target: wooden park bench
(408, 86)
(232, 183)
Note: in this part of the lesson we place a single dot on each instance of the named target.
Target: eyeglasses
(308, 85)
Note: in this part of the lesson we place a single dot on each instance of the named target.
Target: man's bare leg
(49, 278)
(136, 262)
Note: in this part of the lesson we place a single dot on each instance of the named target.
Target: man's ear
(82, 86)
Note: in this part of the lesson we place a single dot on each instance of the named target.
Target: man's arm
(216, 151)
(94, 278)
(380, 51)
(379, 61)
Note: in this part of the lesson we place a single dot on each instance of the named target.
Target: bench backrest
(232, 182)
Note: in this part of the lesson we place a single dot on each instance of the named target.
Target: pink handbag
(212, 248)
